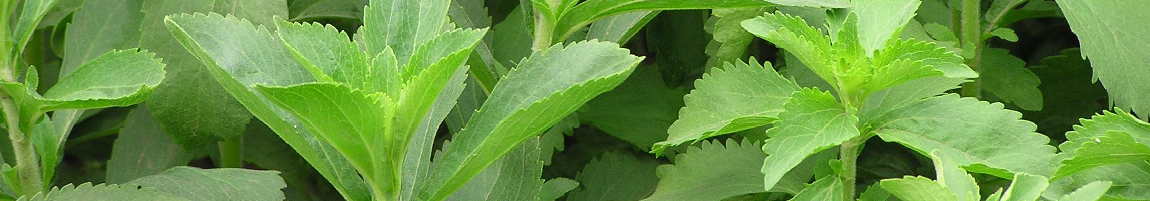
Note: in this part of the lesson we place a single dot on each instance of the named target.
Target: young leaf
(917, 188)
(109, 192)
(514, 176)
(616, 176)
(808, 44)
(99, 27)
(720, 171)
(117, 78)
(1098, 126)
(30, 17)
(729, 40)
(353, 121)
(417, 160)
(1114, 148)
(954, 178)
(828, 188)
(1091, 191)
(402, 25)
(1006, 77)
(523, 107)
(712, 110)
(328, 53)
(812, 121)
(958, 127)
(1025, 187)
(216, 184)
(216, 40)
(881, 20)
(1110, 33)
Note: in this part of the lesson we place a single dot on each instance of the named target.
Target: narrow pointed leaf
(1025, 187)
(793, 34)
(728, 100)
(589, 11)
(515, 176)
(812, 121)
(102, 192)
(954, 178)
(328, 53)
(30, 16)
(1114, 148)
(521, 107)
(917, 188)
(1091, 191)
(828, 188)
(216, 184)
(884, 20)
(402, 25)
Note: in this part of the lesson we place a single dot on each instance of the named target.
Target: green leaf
(353, 121)
(1025, 187)
(109, 192)
(328, 53)
(1004, 33)
(586, 12)
(720, 171)
(719, 106)
(402, 25)
(678, 43)
(514, 176)
(982, 137)
(44, 138)
(1098, 126)
(142, 148)
(417, 160)
(1091, 191)
(30, 17)
(729, 41)
(616, 176)
(1114, 148)
(555, 188)
(884, 101)
(434, 63)
(1110, 35)
(929, 54)
(306, 10)
(216, 184)
(619, 28)
(1006, 77)
(917, 188)
(828, 188)
(793, 34)
(524, 107)
(220, 43)
(118, 78)
(99, 27)
(812, 121)
(881, 20)
(639, 111)
(954, 178)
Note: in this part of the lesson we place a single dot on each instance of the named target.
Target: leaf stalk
(971, 38)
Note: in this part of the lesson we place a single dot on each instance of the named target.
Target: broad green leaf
(434, 63)
(616, 176)
(353, 121)
(43, 138)
(1025, 187)
(402, 25)
(881, 20)
(239, 55)
(998, 9)
(721, 171)
(639, 111)
(266, 151)
(979, 136)
(735, 98)
(1110, 33)
(954, 178)
(1068, 92)
(142, 148)
(812, 121)
(100, 192)
(875, 192)
(619, 28)
(1129, 180)
(589, 11)
(99, 27)
(928, 53)
(828, 188)
(917, 188)
(1006, 77)
(30, 16)
(1098, 126)
(1114, 148)
(729, 41)
(215, 115)
(555, 188)
(306, 10)
(524, 107)
(216, 184)
(511, 39)
(793, 34)
(884, 101)
(1091, 191)
(328, 53)
(515, 176)
(117, 78)
(472, 14)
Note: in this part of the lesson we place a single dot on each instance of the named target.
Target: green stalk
(232, 153)
(971, 37)
(27, 164)
(544, 29)
(848, 154)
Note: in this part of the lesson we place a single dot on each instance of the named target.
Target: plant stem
(543, 32)
(971, 38)
(232, 153)
(27, 165)
(848, 154)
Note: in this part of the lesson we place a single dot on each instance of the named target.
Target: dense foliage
(960, 100)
